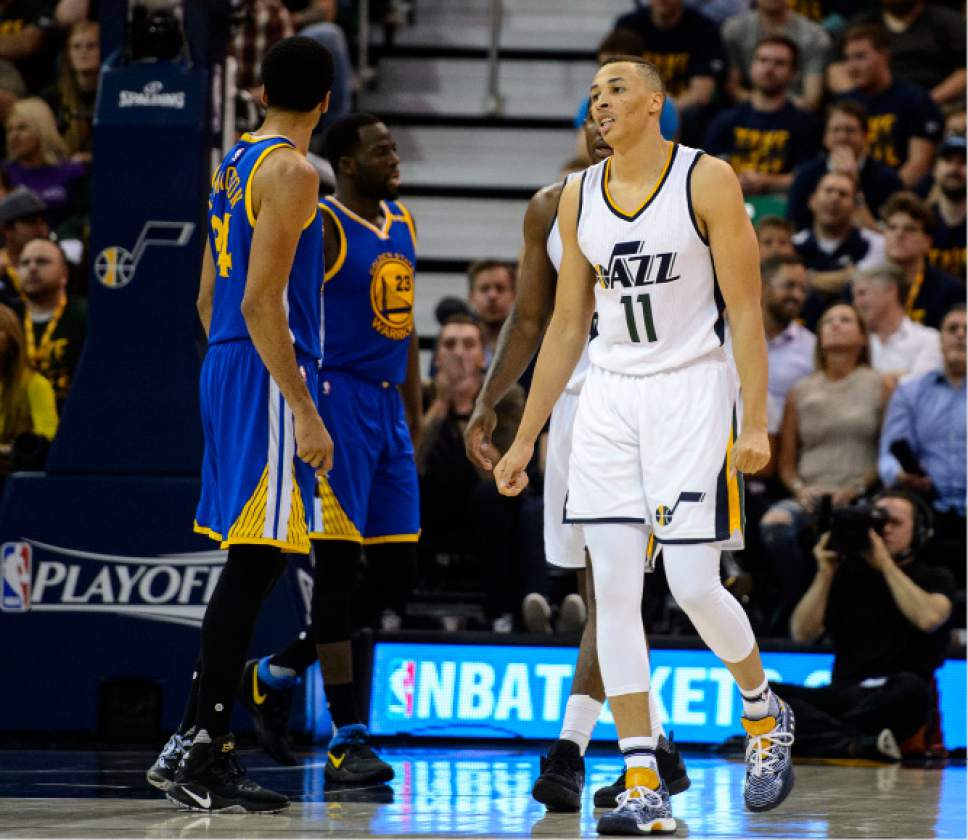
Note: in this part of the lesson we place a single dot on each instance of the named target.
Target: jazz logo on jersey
(403, 679)
(391, 296)
(664, 513)
(629, 268)
(16, 577)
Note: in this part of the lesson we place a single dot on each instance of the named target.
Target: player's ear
(324, 105)
(263, 98)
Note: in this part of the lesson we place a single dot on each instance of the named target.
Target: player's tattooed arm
(522, 331)
(206, 289)
(721, 212)
(561, 349)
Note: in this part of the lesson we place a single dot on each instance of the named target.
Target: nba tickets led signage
(520, 692)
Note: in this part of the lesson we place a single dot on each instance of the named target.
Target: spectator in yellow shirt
(27, 404)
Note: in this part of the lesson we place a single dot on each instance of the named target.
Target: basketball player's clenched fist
(510, 472)
(313, 442)
(751, 452)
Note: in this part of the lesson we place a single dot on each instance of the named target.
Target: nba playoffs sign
(173, 588)
(520, 692)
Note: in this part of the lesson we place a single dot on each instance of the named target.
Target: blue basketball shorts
(371, 494)
(255, 490)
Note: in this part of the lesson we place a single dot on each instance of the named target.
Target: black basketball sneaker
(269, 708)
(672, 771)
(562, 778)
(212, 779)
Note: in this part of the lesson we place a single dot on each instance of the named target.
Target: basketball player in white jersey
(560, 784)
(655, 456)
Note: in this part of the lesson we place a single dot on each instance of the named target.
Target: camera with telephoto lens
(849, 525)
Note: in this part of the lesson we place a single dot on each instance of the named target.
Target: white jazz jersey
(555, 252)
(659, 306)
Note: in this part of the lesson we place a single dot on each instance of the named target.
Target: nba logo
(403, 677)
(16, 577)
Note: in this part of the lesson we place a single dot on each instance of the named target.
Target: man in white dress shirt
(899, 346)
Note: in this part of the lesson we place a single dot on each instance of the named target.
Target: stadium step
(487, 162)
(435, 90)
(530, 25)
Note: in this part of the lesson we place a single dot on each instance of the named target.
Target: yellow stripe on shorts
(251, 521)
(336, 524)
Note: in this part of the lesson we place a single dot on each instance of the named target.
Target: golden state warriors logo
(391, 296)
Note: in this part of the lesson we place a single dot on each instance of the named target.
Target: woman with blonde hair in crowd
(72, 97)
(28, 411)
(37, 158)
(828, 448)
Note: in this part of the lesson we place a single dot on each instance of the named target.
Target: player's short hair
(775, 222)
(478, 266)
(343, 136)
(873, 32)
(772, 265)
(888, 274)
(909, 203)
(297, 73)
(852, 108)
(781, 41)
(646, 68)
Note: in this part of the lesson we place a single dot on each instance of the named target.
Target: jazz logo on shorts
(16, 577)
(391, 296)
(664, 513)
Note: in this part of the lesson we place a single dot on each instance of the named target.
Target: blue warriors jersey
(231, 222)
(369, 294)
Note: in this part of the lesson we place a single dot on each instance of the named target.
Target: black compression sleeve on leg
(391, 569)
(246, 580)
(191, 706)
(298, 655)
(337, 577)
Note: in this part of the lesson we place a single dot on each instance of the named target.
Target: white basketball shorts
(657, 450)
(564, 544)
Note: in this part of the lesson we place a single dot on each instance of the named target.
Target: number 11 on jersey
(646, 305)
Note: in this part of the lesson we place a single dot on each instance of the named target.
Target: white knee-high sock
(581, 714)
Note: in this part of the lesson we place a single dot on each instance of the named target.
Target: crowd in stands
(50, 62)
(845, 124)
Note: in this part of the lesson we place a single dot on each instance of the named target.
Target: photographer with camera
(885, 612)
